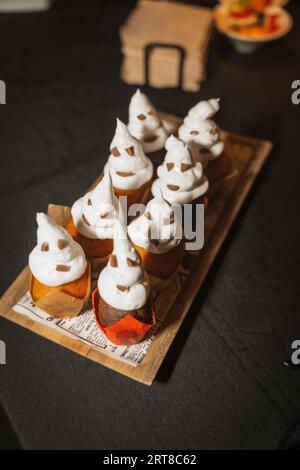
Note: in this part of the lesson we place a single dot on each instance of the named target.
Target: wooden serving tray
(247, 156)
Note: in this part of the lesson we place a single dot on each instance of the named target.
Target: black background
(223, 383)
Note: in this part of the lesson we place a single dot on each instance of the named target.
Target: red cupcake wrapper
(125, 332)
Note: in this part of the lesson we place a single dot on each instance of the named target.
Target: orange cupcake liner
(93, 248)
(134, 196)
(65, 301)
(80, 288)
(161, 265)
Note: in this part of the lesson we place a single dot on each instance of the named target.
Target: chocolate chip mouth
(62, 268)
(85, 220)
(172, 187)
(125, 174)
(122, 288)
(150, 139)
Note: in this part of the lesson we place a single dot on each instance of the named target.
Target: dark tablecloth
(224, 383)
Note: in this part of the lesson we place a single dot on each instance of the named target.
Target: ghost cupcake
(180, 179)
(121, 303)
(146, 126)
(93, 219)
(157, 236)
(130, 169)
(59, 269)
(202, 136)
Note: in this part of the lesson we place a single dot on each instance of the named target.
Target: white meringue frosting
(129, 167)
(144, 123)
(95, 213)
(157, 230)
(123, 283)
(201, 133)
(180, 179)
(57, 259)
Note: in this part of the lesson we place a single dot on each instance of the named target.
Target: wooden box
(164, 44)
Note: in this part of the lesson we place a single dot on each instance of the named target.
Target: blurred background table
(224, 383)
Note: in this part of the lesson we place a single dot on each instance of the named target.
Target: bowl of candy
(251, 23)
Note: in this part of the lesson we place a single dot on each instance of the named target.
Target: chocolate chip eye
(130, 262)
(170, 166)
(130, 151)
(170, 220)
(185, 167)
(141, 117)
(148, 215)
(61, 243)
(194, 132)
(151, 112)
(113, 261)
(45, 246)
(115, 152)
(89, 202)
